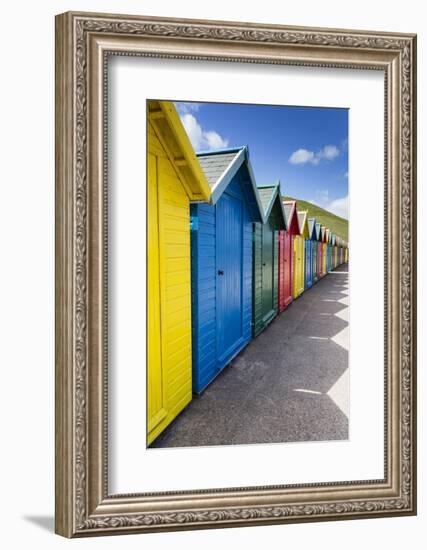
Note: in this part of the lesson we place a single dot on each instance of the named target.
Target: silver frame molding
(83, 43)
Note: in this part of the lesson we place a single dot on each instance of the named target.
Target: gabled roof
(168, 128)
(290, 209)
(328, 235)
(318, 232)
(268, 194)
(303, 226)
(220, 168)
(312, 228)
(333, 239)
(323, 234)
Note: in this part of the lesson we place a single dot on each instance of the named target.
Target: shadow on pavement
(278, 389)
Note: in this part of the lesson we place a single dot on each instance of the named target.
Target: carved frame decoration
(83, 43)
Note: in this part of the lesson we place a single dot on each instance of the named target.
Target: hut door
(267, 270)
(288, 267)
(281, 270)
(314, 259)
(229, 224)
(306, 262)
(156, 411)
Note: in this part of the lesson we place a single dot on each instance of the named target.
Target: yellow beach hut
(324, 250)
(175, 178)
(299, 254)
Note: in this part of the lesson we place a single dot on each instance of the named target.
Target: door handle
(220, 272)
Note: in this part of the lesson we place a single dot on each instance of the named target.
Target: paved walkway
(289, 384)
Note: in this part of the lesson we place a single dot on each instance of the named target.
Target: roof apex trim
(275, 194)
(207, 152)
(198, 189)
(303, 230)
(292, 215)
(242, 156)
(312, 234)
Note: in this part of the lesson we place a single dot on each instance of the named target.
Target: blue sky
(304, 147)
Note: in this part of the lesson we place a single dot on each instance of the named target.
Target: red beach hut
(286, 247)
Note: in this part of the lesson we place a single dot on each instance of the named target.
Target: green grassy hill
(337, 225)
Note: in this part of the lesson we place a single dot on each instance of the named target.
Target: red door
(288, 248)
(281, 270)
(319, 260)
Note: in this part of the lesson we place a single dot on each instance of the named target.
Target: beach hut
(174, 179)
(221, 262)
(319, 250)
(324, 251)
(286, 252)
(335, 251)
(328, 251)
(268, 279)
(313, 243)
(346, 253)
(308, 261)
(332, 252)
(298, 261)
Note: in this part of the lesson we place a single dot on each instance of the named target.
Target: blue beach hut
(311, 242)
(221, 262)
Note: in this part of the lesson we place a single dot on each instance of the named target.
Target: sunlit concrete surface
(289, 384)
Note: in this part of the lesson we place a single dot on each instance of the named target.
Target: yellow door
(298, 281)
(295, 268)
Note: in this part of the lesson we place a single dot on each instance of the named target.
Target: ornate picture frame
(83, 43)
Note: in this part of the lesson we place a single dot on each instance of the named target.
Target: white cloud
(214, 140)
(339, 207)
(329, 152)
(200, 138)
(303, 156)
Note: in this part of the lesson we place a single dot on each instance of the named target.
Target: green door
(267, 271)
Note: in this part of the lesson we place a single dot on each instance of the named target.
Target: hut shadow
(290, 384)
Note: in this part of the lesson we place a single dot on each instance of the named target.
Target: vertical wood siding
(314, 260)
(257, 278)
(203, 280)
(298, 267)
(324, 252)
(319, 259)
(206, 315)
(264, 313)
(281, 270)
(308, 263)
(169, 291)
(276, 273)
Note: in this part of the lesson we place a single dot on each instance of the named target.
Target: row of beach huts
(224, 257)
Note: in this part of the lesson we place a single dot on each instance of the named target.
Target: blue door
(308, 265)
(314, 260)
(229, 218)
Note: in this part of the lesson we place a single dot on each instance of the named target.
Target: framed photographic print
(235, 274)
